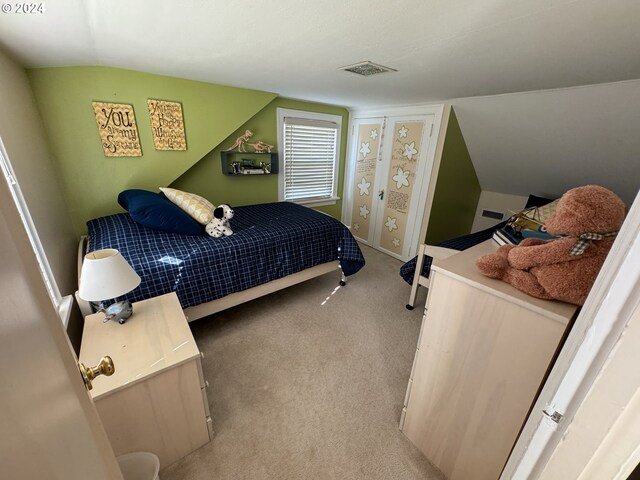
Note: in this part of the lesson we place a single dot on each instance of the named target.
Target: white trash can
(139, 466)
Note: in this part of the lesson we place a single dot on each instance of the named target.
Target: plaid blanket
(269, 241)
(459, 243)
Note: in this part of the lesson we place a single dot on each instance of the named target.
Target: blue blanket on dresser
(269, 241)
(463, 242)
(408, 270)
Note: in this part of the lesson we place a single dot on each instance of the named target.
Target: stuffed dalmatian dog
(219, 226)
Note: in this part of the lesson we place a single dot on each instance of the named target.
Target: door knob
(104, 367)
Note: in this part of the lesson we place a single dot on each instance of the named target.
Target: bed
(273, 246)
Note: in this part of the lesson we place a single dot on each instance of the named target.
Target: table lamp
(106, 275)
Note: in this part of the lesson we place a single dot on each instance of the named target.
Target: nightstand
(156, 400)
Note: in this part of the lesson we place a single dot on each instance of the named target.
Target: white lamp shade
(105, 275)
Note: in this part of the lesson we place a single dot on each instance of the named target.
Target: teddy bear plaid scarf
(586, 239)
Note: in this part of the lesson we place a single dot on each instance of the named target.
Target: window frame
(282, 113)
(60, 303)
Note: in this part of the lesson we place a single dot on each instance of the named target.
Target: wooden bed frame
(437, 253)
(233, 299)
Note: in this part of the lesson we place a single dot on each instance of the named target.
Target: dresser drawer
(205, 402)
(203, 382)
(210, 428)
(165, 414)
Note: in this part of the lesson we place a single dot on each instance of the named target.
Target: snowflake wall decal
(364, 186)
(364, 211)
(401, 178)
(356, 226)
(409, 150)
(364, 149)
(396, 242)
(391, 224)
(374, 134)
(403, 132)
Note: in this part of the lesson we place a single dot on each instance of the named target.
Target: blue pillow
(156, 211)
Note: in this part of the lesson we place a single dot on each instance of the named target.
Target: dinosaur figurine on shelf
(241, 141)
(261, 147)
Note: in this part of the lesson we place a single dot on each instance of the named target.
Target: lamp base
(118, 311)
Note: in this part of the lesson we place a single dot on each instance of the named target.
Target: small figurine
(241, 141)
(119, 311)
(266, 167)
(219, 225)
(261, 147)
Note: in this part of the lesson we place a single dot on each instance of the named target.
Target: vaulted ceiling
(550, 141)
(442, 49)
(466, 52)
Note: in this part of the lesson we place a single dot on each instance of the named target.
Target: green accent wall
(457, 189)
(90, 181)
(206, 177)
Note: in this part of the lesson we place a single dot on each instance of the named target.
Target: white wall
(547, 142)
(21, 131)
(497, 202)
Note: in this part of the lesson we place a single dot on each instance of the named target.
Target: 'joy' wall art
(118, 130)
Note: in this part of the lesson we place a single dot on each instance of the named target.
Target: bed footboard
(209, 308)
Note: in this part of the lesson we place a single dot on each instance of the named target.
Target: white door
(587, 367)
(50, 428)
(392, 159)
(401, 190)
(368, 169)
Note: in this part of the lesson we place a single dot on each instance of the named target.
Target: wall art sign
(167, 124)
(118, 130)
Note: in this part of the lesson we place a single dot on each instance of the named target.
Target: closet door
(401, 196)
(366, 177)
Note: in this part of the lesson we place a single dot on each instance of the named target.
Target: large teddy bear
(586, 220)
(219, 225)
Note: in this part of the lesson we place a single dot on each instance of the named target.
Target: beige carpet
(307, 389)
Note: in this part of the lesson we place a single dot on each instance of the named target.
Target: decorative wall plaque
(118, 130)
(167, 124)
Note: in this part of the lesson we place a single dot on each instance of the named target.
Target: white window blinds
(310, 153)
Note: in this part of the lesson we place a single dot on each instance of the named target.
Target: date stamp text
(22, 8)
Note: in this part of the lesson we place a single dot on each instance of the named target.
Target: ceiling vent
(367, 68)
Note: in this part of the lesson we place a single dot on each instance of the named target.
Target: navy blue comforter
(269, 241)
(407, 270)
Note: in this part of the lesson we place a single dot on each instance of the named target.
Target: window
(309, 145)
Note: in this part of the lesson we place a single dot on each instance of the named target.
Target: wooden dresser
(156, 400)
(483, 352)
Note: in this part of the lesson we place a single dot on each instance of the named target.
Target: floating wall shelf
(236, 163)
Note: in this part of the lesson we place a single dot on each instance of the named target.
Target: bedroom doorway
(47, 410)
